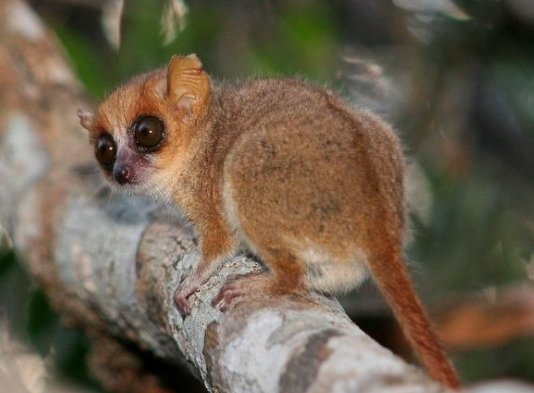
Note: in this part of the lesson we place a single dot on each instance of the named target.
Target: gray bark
(110, 263)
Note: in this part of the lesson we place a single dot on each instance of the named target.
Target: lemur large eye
(105, 150)
(148, 132)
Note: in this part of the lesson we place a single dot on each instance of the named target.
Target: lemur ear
(86, 119)
(187, 83)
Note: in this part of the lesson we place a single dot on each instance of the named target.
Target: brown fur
(286, 170)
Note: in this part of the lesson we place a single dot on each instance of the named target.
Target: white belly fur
(325, 274)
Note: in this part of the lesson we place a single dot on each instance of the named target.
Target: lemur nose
(121, 174)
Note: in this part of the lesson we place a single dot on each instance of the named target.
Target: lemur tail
(395, 285)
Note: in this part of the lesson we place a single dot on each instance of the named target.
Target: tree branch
(110, 263)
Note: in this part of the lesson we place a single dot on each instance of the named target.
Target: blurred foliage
(301, 39)
(461, 92)
(512, 360)
(31, 320)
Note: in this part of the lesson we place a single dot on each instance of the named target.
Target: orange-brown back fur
(287, 170)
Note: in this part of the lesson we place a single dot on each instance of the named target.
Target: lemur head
(143, 128)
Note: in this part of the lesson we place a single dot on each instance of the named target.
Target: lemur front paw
(181, 299)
